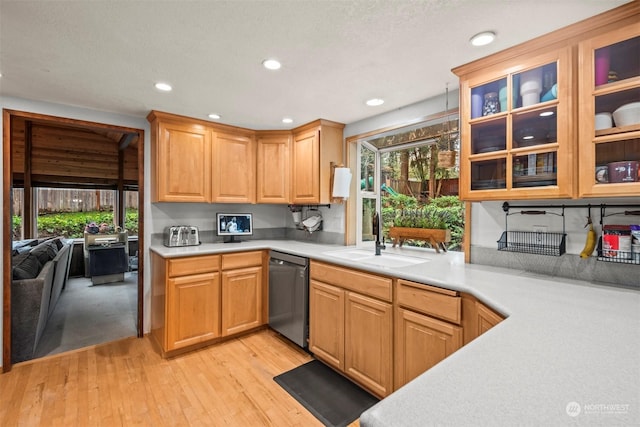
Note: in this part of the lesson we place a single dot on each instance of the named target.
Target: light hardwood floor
(126, 383)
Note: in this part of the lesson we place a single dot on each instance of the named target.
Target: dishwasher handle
(280, 258)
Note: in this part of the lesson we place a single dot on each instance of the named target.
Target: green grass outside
(71, 224)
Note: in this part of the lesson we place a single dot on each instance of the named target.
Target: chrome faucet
(376, 231)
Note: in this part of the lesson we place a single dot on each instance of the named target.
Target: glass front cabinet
(517, 138)
(609, 135)
(557, 116)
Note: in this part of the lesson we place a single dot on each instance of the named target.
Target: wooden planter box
(436, 237)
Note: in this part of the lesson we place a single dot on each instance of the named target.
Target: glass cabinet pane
(488, 99)
(489, 136)
(488, 174)
(616, 62)
(610, 114)
(533, 170)
(535, 127)
(618, 161)
(536, 85)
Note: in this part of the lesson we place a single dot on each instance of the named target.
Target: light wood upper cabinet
(273, 167)
(198, 161)
(315, 146)
(234, 166)
(536, 138)
(181, 161)
(518, 139)
(609, 78)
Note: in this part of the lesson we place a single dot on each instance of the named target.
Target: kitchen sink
(385, 260)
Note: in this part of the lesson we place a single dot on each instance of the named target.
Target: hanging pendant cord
(447, 116)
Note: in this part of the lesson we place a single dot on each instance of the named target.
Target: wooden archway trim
(7, 116)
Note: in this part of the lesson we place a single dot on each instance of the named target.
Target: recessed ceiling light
(546, 114)
(271, 64)
(165, 87)
(287, 120)
(214, 116)
(483, 39)
(374, 102)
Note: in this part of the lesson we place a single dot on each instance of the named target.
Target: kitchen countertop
(568, 352)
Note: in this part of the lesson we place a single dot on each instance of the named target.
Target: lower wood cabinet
(185, 300)
(368, 342)
(241, 300)
(198, 299)
(426, 328)
(421, 342)
(379, 335)
(243, 305)
(350, 327)
(478, 318)
(326, 323)
(486, 318)
(192, 307)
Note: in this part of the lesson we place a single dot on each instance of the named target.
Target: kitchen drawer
(437, 302)
(241, 260)
(353, 280)
(193, 265)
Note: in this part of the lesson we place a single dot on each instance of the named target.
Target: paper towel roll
(341, 182)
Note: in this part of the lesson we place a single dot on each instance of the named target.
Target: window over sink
(402, 170)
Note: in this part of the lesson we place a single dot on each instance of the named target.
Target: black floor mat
(329, 396)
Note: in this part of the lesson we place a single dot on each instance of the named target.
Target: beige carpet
(89, 314)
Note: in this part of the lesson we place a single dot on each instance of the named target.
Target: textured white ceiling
(107, 54)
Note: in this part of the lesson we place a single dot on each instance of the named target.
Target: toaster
(181, 235)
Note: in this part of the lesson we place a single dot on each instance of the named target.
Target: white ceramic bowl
(603, 121)
(627, 115)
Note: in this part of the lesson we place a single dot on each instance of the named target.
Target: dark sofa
(39, 275)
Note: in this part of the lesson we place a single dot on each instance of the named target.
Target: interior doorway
(43, 151)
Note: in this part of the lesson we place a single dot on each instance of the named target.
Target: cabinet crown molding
(221, 127)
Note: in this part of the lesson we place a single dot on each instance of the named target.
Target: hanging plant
(447, 158)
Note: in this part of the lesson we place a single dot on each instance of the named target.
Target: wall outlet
(538, 229)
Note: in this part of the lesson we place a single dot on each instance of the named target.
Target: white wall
(403, 115)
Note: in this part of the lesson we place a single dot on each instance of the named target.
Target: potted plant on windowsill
(421, 224)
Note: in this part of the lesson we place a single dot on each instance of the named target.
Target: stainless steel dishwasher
(289, 296)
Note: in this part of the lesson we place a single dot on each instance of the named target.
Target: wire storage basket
(533, 242)
(618, 243)
(617, 256)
